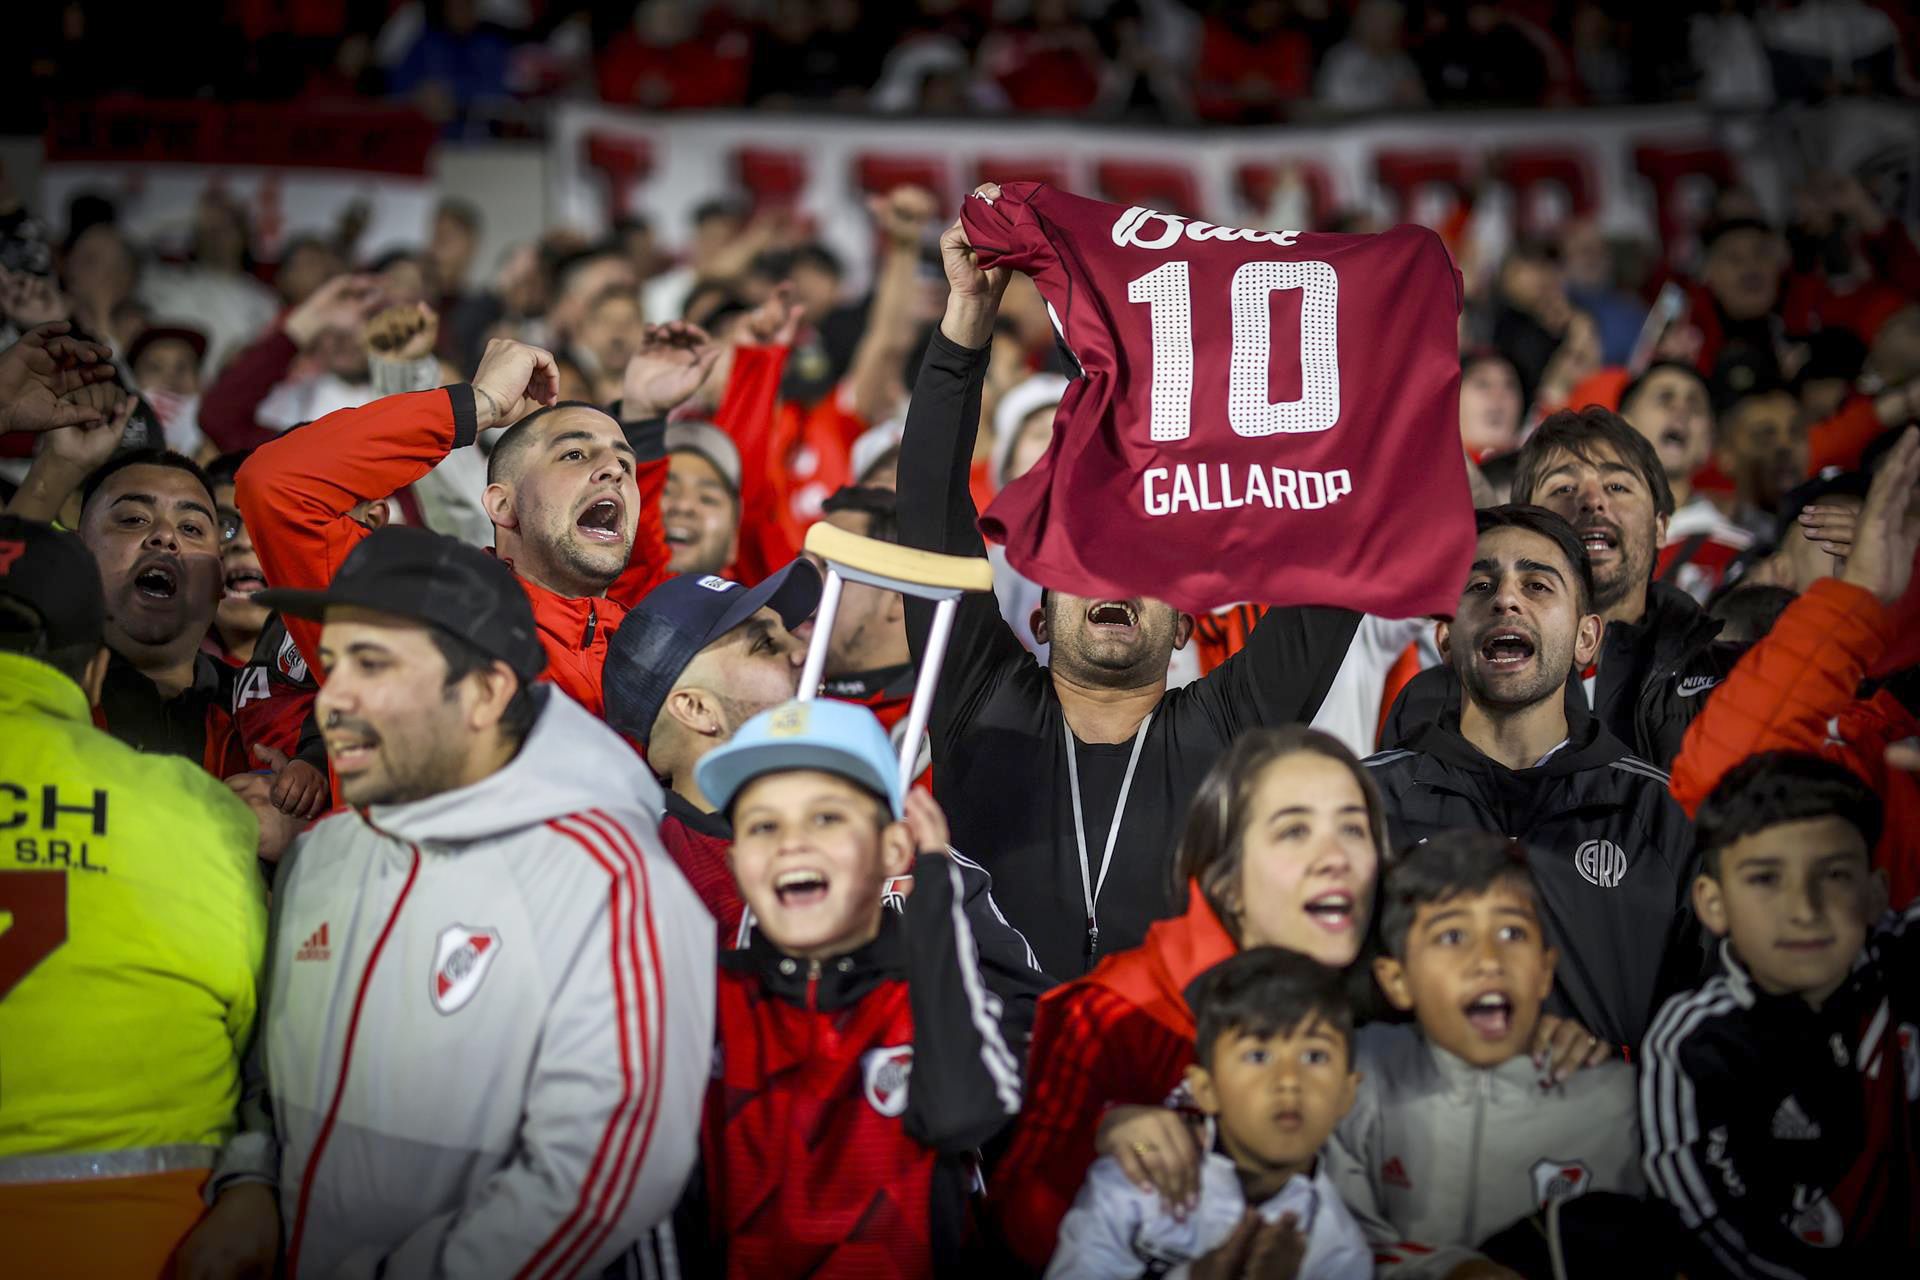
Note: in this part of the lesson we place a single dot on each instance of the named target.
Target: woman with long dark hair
(1283, 846)
(1283, 842)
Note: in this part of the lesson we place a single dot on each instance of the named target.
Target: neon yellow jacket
(132, 931)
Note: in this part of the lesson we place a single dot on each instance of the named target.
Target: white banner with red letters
(1645, 171)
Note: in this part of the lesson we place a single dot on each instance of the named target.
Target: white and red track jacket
(490, 1021)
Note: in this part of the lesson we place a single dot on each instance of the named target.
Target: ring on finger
(1142, 1148)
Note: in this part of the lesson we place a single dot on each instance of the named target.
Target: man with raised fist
(568, 488)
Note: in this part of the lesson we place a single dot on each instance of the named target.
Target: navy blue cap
(679, 618)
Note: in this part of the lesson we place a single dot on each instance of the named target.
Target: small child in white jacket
(1273, 1075)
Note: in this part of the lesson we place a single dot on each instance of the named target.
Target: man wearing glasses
(149, 517)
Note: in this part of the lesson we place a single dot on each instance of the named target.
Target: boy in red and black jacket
(861, 1059)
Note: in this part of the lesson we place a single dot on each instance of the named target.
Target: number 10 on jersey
(1168, 294)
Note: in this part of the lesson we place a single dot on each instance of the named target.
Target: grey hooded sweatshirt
(490, 1021)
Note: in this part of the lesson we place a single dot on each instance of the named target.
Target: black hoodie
(1610, 850)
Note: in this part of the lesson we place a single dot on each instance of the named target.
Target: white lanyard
(1089, 886)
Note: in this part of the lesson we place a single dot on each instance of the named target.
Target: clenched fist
(403, 333)
(512, 381)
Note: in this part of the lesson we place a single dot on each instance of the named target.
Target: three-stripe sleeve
(1689, 1155)
(966, 1080)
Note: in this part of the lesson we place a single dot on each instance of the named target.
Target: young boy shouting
(1273, 1039)
(861, 1060)
(1778, 1100)
(1453, 1137)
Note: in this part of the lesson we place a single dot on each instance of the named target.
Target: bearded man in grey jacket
(490, 1016)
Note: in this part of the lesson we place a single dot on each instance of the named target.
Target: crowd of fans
(413, 706)
(476, 65)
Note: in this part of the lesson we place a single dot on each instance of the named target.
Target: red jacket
(295, 492)
(849, 1094)
(793, 458)
(1121, 1036)
(1795, 691)
(698, 844)
(273, 694)
(1809, 300)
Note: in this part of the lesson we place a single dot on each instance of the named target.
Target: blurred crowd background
(179, 180)
(484, 68)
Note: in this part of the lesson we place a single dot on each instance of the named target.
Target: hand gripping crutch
(928, 575)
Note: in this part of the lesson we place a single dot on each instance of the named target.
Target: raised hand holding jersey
(1267, 415)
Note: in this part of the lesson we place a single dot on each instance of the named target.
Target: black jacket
(1787, 1139)
(196, 723)
(1000, 750)
(1611, 854)
(1653, 679)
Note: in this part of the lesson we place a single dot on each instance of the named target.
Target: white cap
(873, 444)
(1041, 391)
(711, 443)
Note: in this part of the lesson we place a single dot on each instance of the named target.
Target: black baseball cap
(428, 577)
(50, 592)
(679, 618)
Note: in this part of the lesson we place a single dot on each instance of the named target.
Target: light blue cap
(832, 737)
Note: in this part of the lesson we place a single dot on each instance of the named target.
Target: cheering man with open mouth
(1609, 849)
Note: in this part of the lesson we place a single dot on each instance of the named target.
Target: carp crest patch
(1558, 1180)
(461, 959)
(884, 1072)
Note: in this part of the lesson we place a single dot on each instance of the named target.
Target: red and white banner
(295, 169)
(1643, 170)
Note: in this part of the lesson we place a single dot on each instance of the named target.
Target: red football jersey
(1265, 415)
(1697, 565)
(274, 692)
(809, 1169)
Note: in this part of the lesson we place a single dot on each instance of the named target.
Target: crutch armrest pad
(906, 567)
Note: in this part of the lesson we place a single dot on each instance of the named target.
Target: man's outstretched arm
(297, 491)
(935, 503)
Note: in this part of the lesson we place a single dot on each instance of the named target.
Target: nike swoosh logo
(1694, 685)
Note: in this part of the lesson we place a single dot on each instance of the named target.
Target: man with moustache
(147, 515)
(1611, 851)
(1070, 782)
(1659, 656)
(490, 994)
(149, 518)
